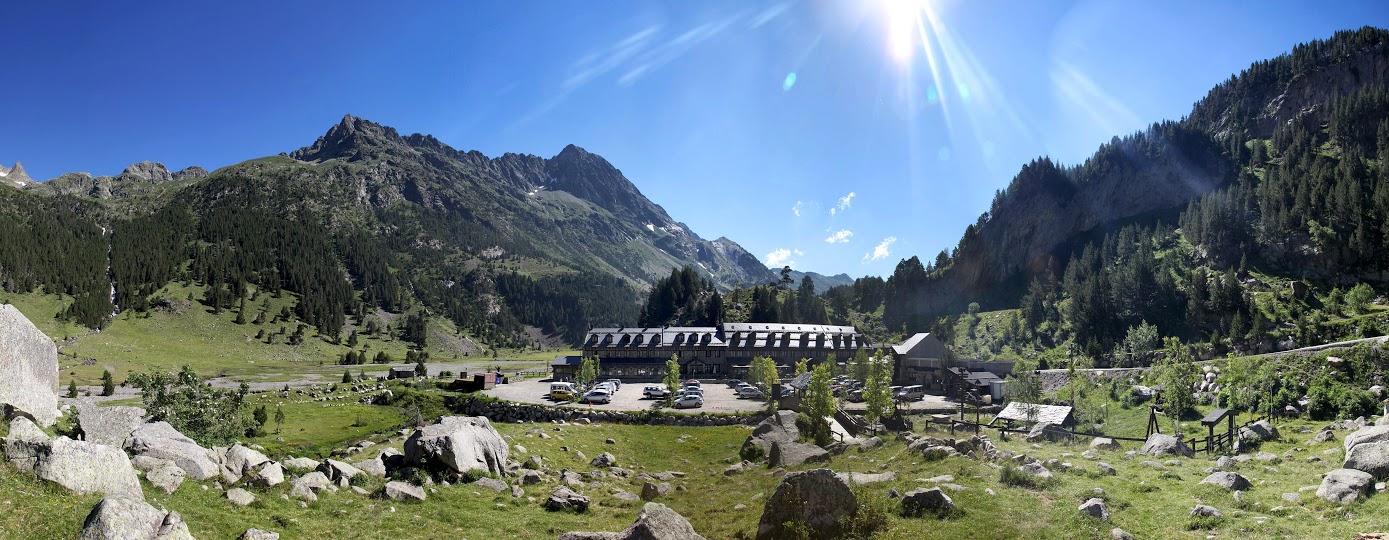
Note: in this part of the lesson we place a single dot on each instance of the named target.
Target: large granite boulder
(110, 426)
(23, 445)
(926, 501)
(655, 522)
(161, 440)
(1372, 457)
(1045, 432)
(239, 461)
(1228, 480)
(791, 454)
(1345, 485)
(29, 362)
(1105, 443)
(1159, 444)
(779, 427)
(123, 518)
(404, 491)
(1366, 435)
(813, 500)
(79, 466)
(268, 474)
(167, 477)
(1258, 432)
(459, 444)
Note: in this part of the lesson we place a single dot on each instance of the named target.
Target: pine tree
(72, 388)
(108, 384)
(346, 376)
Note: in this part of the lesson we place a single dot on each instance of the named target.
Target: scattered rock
(124, 518)
(404, 491)
(922, 501)
(604, 460)
(655, 522)
(268, 474)
(1095, 508)
(1119, 534)
(167, 477)
(858, 479)
(257, 534)
(564, 499)
(1322, 436)
(1202, 510)
(791, 454)
(79, 466)
(303, 464)
(652, 490)
(1344, 485)
(110, 426)
(1159, 444)
(160, 440)
(1043, 431)
(1105, 443)
(1228, 480)
(337, 471)
(814, 499)
(1104, 469)
(240, 497)
(493, 484)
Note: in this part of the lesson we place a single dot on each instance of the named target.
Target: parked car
(655, 391)
(617, 383)
(597, 396)
(911, 393)
(750, 392)
(855, 396)
(689, 401)
(691, 382)
(562, 394)
(734, 383)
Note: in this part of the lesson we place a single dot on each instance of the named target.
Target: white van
(911, 393)
(562, 386)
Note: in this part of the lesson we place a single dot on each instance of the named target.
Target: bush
(814, 429)
(208, 415)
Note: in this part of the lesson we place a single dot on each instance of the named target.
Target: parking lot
(718, 397)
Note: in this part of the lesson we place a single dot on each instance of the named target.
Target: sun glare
(903, 19)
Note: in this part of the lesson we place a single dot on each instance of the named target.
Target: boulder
(1095, 508)
(1259, 431)
(922, 501)
(1202, 510)
(1322, 436)
(1105, 443)
(374, 467)
(337, 470)
(1159, 444)
(604, 460)
(1371, 457)
(79, 466)
(529, 477)
(858, 479)
(303, 464)
(268, 474)
(1104, 469)
(651, 490)
(1036, 469)
(257, 534)
(24, 444)
(167, 477)
(1045, 432)
(779, 427)
(1345, 485)
(29, 362)
(124, 518)
(790, 454)
(110, 426)
(403, 491)
(655, 522)
(1366, 435)
(493, 484)
(813, 500)
(239, 461)
(458, 444)
(160, 440)
(239, 497)
(1228, 480)
(564, 499)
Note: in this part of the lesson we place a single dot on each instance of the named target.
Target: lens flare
(790, 81)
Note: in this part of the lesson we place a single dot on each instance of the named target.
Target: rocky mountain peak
(190, 173)
(352, 139)
(148, 172)
(16, 175)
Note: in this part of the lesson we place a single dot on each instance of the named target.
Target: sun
(903, 23)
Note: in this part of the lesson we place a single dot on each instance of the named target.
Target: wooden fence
(1207, 444)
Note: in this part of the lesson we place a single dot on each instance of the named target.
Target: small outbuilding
(1029, 413)
(401, 373)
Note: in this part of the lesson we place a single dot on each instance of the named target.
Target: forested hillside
(1259, 222)
(362, 220)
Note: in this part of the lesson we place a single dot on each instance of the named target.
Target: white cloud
(841, 237)
(844, 203)
(780, 257)
(797, 208)
(881, 250)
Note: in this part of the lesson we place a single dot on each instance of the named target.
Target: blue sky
(832, 136)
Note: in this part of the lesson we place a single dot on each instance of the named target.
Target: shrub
(1011, 475)
(814, 429)
(208, 415)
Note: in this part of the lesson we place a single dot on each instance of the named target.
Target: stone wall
(505, 411)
